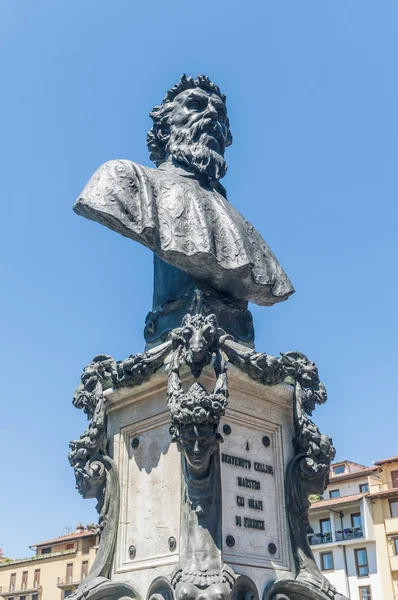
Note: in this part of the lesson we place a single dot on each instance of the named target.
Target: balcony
(394, 563)
(320, 538)
(391, 526)
(341, 535)
(387, 486)
(67, 582)
(25, 592)
(351, 533)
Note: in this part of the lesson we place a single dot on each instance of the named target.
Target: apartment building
(342, 532)
(384, 498)
(54, 572)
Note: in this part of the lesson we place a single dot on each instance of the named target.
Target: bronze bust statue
(180, 211)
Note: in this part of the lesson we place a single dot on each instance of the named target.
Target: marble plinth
(257, 430)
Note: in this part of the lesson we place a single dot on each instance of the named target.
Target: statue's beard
(189, 147)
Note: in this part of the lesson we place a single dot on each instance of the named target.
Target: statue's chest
(193, 219)
(181, 201)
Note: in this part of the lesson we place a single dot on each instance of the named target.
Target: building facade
(354, 530)
(384, 496)
(343, 535)
(54, 572)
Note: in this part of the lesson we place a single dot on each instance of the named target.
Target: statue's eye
(187, 333)
(194, 105)
(221, 114)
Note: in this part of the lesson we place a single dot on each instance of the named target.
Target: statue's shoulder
(118, 169)
(116, 181)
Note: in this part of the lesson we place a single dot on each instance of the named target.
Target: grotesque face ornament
(198, 335)
(189, 591)
(198, 443)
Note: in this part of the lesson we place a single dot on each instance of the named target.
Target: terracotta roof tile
(385, 493)
(334, 501)
(68, 538)
(387, 460)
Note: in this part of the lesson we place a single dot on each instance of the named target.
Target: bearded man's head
(191, 126)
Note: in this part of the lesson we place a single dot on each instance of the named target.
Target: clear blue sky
(312, 95)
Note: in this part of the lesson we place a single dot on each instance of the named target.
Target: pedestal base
(202, 460)
(257, 430)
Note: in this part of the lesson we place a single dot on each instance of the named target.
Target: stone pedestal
(202, 458)
(149, 468)
(257, 430)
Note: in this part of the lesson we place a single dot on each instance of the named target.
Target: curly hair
(158, 136)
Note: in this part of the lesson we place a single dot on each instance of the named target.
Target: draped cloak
(188, 224)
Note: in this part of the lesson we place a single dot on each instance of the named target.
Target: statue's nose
(196, 344)
(211, 111)
(197, 349)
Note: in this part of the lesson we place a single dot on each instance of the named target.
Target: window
(84, 569)
(22, 598)
(69, 546)
(46, 550)
(36, 579)
(394, 508)
(13, 578)
(67, 593)
(69, 573)
(361, 562)
(326, 530)
(86, 544)
(394, 479)
(356, 520)
(24, 584)
(334, 494)
(339, 470)
(396, 546)
(325, 525)
(364, 593)
(327, 561)
(35, 596)
(364, 487)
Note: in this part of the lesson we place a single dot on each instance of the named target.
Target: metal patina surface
(180, 211)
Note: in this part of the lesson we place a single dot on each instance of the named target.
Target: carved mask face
(198, 442)
(199, 132)
(199, 336)
(188, 591)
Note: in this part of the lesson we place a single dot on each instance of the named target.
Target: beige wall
(384, 545)
(51, 568)
(386, 474)
(383, 563)
(384, 481)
